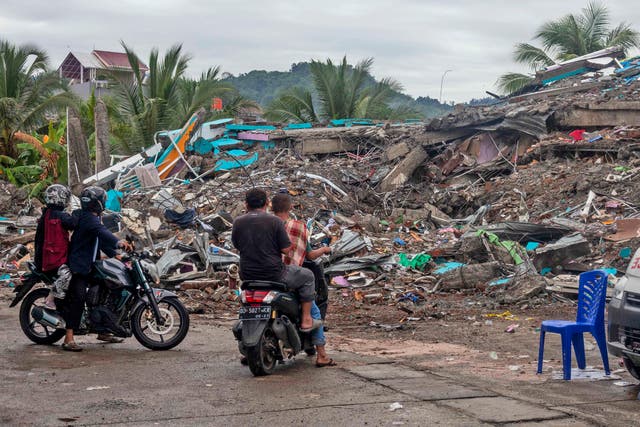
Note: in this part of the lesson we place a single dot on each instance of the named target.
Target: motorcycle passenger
(52, 242)
(89, 238)
(261, 240)
(300, 251)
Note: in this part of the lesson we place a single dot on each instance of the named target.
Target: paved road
(202, 383)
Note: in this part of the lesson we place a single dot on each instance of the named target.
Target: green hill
(263, 86)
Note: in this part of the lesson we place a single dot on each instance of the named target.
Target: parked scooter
(120, 300)
(268, 331)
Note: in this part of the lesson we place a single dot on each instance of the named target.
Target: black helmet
(93, 199)
(56, 195)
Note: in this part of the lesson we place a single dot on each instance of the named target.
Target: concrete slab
(412, 414)
(562, 422)
(620, 413)
(431, 387)
(385, 371)
(503, 410)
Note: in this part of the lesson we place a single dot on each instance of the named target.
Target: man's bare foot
(50, 303)
(322, 359)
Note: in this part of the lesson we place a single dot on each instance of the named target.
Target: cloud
(412, 41)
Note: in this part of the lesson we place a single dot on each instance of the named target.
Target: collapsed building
(506, 202)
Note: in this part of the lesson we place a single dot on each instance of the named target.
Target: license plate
(255, 313)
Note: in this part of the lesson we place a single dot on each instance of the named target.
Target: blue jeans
(317, 335)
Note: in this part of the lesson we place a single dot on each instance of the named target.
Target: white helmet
(57, 195)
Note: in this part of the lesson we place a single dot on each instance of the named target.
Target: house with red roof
(96, 71)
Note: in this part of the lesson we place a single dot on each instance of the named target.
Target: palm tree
(164, 99)
(29, 92)
(342, 91)
(566, 38)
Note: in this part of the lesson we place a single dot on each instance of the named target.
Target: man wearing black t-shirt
(261, 240)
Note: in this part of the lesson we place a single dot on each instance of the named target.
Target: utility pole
(442, 83)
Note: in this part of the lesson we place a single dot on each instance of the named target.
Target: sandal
(331, 362)
(71, 346)
(109, 339)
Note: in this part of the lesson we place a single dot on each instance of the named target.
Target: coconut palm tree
(29, 92)
(568, 37)
(341, 91)
(163, 99)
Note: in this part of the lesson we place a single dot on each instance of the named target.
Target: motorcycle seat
(39, 274)
(264, 284)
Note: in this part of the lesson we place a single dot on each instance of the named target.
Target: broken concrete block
(154, 223)
(470, 276)
(429, 211)
(396, 150)
(565, 249)
(601, 115)
(324, 146)
(403, 170)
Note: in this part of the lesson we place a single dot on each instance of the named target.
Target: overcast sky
(413, 41)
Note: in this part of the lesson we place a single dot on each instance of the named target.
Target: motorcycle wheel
(160, 337)
(36, 332)
(263, 357)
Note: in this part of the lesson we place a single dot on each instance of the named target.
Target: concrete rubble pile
(502, 204)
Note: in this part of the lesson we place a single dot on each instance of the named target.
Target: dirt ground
(466, 333)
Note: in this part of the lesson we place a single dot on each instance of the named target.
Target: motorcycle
(120, 301)
(268, 329)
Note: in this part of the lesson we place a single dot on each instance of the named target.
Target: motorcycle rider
(261, 240)
(89, 238)
(52, 242)
(299, 252)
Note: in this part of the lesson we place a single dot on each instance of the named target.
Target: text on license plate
(261, 312)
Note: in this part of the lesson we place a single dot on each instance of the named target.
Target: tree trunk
(79, 162)
(103, 150)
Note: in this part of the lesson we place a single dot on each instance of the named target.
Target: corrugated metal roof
(535, 126)
(87, 60)
(116, 60)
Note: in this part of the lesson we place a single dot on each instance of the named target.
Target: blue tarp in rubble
(350, 122)
(203, 146)
(292, 126)
(233, 159)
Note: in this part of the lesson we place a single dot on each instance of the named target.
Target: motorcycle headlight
(151, 269)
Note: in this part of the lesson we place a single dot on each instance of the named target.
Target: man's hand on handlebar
(125, 245)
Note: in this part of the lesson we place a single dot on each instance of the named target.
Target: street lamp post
(442, 83)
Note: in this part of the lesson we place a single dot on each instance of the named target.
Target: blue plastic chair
(592, 293)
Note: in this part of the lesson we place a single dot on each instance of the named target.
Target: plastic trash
(577, 134)
(395, 406)
(417, 262)
(532, 246)
(399, 241)
(448, 266)
(340, 281)
(512, 328)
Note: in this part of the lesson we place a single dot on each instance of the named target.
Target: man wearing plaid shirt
(299, 251)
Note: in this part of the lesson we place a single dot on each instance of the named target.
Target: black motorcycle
(120, 301)
(268, 331)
